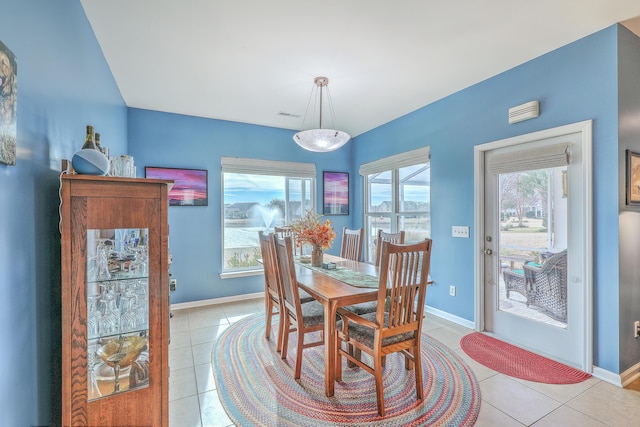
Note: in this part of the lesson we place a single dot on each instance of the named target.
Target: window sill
(244, 273)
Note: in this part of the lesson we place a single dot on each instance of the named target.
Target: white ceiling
(250, 60)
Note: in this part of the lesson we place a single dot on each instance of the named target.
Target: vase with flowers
(310, 229)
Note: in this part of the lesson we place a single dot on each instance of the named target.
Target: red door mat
(516, 362)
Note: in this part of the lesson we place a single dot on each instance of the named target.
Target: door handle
(488, 252)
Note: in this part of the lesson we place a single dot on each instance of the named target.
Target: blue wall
(64, 84)
(574, 83)
(173, 140)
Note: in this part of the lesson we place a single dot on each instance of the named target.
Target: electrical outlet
(172, 284)
(460, 231)
(636, 328)
(452, 290)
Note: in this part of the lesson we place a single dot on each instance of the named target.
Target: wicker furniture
(548, 285)
(396, 328)
(544, 286)
(514, 281)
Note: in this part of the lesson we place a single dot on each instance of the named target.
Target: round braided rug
(257, 388)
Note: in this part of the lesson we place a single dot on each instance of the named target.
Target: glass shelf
(117, 311)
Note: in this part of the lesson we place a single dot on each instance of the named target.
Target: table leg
(330, 309)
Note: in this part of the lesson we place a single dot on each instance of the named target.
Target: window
(259, 195)
(398, 197)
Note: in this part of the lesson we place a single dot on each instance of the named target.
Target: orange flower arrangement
(310, 229)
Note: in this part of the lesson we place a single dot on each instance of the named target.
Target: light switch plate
(460, 231)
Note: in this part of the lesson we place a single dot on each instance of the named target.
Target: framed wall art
(8, 105)
(189, 188)
(633, 178)
(335, 193)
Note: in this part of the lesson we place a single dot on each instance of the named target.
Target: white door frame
(587, 252)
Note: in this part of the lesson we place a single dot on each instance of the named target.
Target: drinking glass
(93, 390)
(93, 316)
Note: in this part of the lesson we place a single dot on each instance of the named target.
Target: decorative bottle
(97, 139)
(89, 141)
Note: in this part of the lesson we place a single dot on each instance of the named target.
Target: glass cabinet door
(117, 311)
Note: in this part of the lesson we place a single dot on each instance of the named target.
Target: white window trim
(393, 164)
(260, 167)
(267, 167)
(421, 155)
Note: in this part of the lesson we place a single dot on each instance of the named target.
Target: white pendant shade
(321, 140)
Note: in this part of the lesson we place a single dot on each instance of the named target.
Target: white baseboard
(630, 375)
(621, 380)
(213, 301)
(450, 317)
(607, 376)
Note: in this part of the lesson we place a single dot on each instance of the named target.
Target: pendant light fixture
(320, 140)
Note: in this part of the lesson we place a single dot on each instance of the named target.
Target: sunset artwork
(336, 193)
(189, 188)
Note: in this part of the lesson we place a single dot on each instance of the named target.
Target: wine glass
(93, 389)
(93, 316)
(128, 319)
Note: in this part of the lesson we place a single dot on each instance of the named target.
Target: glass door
(534, 243)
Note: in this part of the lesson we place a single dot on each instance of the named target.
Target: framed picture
(189, 188)
(8, 105)
(335, 193)
(633, 178)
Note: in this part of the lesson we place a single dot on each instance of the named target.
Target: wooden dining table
(333, 293)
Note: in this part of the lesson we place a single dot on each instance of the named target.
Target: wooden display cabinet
(115, 301)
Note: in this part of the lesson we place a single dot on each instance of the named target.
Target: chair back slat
(352, 244)
(387, 237)
(287, 273)
(404, 270)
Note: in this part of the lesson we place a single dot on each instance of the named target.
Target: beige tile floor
(506, 401)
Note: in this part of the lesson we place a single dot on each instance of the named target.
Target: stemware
(128, 319)
(110, 314)
(93, 389)
(93, 316)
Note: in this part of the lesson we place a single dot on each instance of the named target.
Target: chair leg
(417, 364)
(280, 331)
(338, 358)
(268, 305)
(299, 353)
(377, 373)
(284, 318)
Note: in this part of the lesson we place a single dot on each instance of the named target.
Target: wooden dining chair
(273, 288)
(395, 326)
(285, 231)
(352, 244)
(387, 237)
(303, 318)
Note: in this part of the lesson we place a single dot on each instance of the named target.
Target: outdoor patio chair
(514, 281)
(548, 285)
